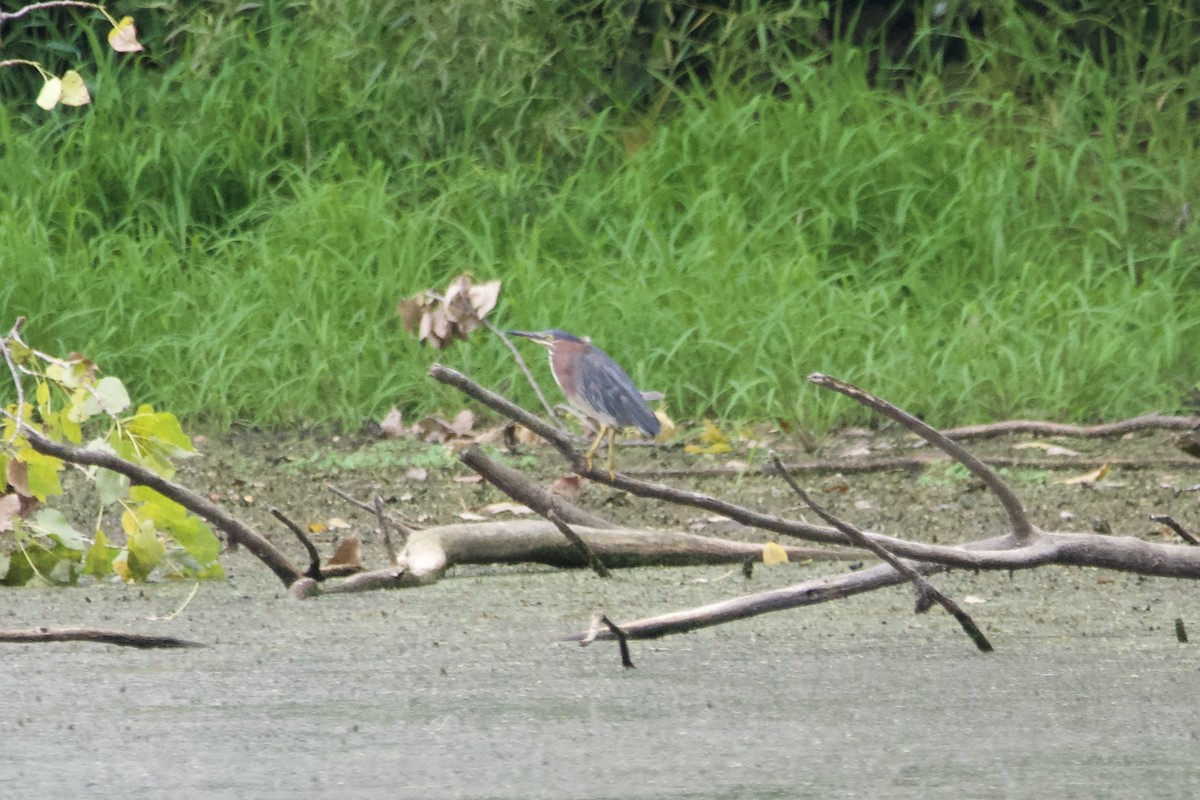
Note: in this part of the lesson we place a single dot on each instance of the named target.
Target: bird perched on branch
(597, 386)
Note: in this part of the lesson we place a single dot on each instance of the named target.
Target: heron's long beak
(537, 336)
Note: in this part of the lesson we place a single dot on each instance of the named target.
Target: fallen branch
(139, 640)
(854, 466)
(1039, 428)
(403, 527)
(429, 553)
(1001, 553)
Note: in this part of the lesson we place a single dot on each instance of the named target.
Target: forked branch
(1022, 529)
(927, 593)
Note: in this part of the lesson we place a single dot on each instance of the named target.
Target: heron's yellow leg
(612, 454)
(591, 453)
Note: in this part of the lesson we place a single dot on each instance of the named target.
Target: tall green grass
(229, 228)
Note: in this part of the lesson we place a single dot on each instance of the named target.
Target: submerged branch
(139, 640)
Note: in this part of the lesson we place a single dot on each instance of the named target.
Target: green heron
(597, 386)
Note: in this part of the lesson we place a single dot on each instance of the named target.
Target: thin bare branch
(852, 466)
(1040, 428)
(1180, 531)
(524, 491)
(403, 528)
(926, 591)
(528, 374)
(579, 544)
(7, 16)
(385, 530)
(16, 378)
(602, 622)
(1022, 528)
(314, 558)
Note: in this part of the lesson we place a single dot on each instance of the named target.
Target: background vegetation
(724, 201)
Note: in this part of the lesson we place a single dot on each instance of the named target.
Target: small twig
(139, 640)
(1022, 528)
(579, 544)
(404, 528)
(927, 593)
(314, 557)
(528, 374)
(599, 619)
(16, 377)
(179, 610)
(514, 484)
(6, 16)
(384, 527)
(1182, 532)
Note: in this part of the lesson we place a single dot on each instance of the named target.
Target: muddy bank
(462, 689)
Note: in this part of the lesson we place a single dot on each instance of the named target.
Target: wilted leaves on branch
(440, 319)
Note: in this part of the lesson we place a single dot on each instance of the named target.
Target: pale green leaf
(51, 522)
(108, 395)
(50, 94)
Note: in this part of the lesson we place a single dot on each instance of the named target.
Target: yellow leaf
(120, 565)
(774, 554)
(713, 441)
(74, 90)
(43, 393)
(317, 527)
(41, 473)
(129, 523)
(666, 426)
(1090, 477)
(123, 38)
(49, 95)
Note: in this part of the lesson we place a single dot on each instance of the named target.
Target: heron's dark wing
(609, 390)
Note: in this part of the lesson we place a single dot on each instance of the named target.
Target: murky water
(460, 690)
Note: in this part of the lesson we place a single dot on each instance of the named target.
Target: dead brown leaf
(10, 509)
(568, 486)
(505, 507)
(1048, 448)
(346, 554)
(18, 477)
(392, 424)
(463, 422)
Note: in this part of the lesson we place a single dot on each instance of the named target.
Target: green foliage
(69, 402)
(1005, 236)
